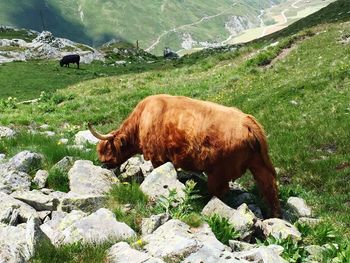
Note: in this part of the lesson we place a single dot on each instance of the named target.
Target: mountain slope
(167, 22)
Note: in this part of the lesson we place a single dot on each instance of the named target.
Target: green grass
(74, 253)
(34, 76)
(129, 194)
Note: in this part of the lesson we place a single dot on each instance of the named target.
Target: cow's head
(112, 149)
(61, 63)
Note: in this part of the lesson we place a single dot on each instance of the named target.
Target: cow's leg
(78, 64)
(266, 181)
(218, 183)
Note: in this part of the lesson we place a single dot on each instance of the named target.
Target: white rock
(149, 225)
(85, 203)
(309, 221)
(86, 178)
(6, 132)
(161, 180)
(77, 226)
(237, 246)
(25, 161)
(40, 178)
(83, 137)
(63, 141)
(242, 219)
(171, 240)
(123, 253)
(36, 199)
(25, 211)
(137, 163)
(299, 207)
(2, 158)
(279, 228)
(261, 255)
(64, 164)
(12, 180)
(17, 244)
(48, 133)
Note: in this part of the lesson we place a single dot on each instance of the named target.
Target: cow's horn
(98, 135)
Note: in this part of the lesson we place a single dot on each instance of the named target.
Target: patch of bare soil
(285, 52)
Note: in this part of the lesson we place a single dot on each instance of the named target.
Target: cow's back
(189, 132)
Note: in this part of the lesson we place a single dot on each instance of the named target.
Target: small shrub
(9, 103)
(179, 207)
(193, 219)
(222, 228)
(293, 251)
(336, 254)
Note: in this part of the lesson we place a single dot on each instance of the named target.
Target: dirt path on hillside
(205, 18)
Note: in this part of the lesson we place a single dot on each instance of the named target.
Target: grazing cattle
(66, 60)
(197, 136)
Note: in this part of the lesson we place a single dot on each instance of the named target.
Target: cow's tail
(257, 140)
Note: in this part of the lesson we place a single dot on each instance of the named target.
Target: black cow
(66, 60)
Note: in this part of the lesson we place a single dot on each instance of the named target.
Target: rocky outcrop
(46, 46)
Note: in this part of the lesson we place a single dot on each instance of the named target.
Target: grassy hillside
(95, 22)
(297, 88)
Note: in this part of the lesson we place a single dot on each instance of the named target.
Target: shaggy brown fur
(196, 136)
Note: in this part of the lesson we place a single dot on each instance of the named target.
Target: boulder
(242, 219)
(17, 244)
(175, 241)
(298, 207)
(36, 199)
(211, 250)
(171, 241)
(237, 246)
(10, 216)
(131, 170)
(6, 132)
(25, 211)
(309, 221)
(279, 228)
(12, 180)
(123, 253)
(86, 178)
(261, 254)
(149, 225)
(78, 226)
(85, 203)
(64, 164)
(84, 137)
(135, 165)
(40, 178)
(25, 161)
(161, 180)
